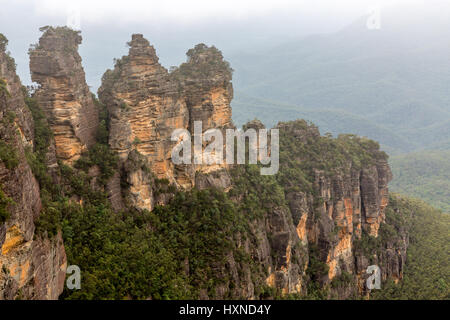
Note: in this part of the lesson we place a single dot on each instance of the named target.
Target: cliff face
(205, 81)
(146, 104)
(342, 206)
(312, 229)
(63, 94)
(325, 218)
(326, 227)
(32, 267)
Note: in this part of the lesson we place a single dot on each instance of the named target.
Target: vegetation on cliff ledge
(203, 63)
(181, 250)
(5, 202)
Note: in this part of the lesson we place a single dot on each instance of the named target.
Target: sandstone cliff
(348, 201)
(63, 93)
(146, 104)
(336, 195)
(31, 267)
(311, 230)
(326, 216)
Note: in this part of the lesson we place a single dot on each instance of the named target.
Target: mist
(174, 26)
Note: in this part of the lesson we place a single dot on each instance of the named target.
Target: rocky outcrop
(146, 104)
(326, 219)
(205, 80)
(331, 226)
(341, 207)
(63, 93)
(145, 107)
(31, 267)
(320, 221)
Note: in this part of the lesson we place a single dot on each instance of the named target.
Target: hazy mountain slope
(328, 120)
(426, 274)
(396, 78)
(425, 175)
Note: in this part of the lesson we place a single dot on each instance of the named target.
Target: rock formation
(63, 94)
(31, 267)
(311, 226)
(341, 207)
(146, 104)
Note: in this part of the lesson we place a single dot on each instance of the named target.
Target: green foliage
(425, 175)
(64, 31)
(5, 202)
(176, 250)
(102, 156)
(140, 255)
(303, 151)
(8, 155)
(203, 62)
(103, 132)
(343, 280)
(316, 268)
(257, 193)
(37, 158)
(199, 226)
(120, 256)
(10, 63)
(3, 42)
(3, 89)
(135, 254)
(182, 248)
(49, 221)
(265, 292)
(10, 117)
(368, 245)
(397, 101)
(426, 274)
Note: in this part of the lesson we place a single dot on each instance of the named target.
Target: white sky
(173, 26)
(190, 11)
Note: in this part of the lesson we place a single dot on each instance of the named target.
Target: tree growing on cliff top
(3, 42)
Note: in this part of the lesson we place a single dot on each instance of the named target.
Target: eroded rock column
(63, 94)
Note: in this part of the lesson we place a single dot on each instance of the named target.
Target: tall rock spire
(146, 104)
(63, 94)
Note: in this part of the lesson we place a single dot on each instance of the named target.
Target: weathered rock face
(351, 202)
(146, 104)
(324, 231)
(341, 207)
(63, 94)
(314, 230)
(31, 267)
(286, 271)
(205, 80)
(207, 88)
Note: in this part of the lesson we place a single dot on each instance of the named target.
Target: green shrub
(8, 155)
(3, 42)
(5, 202)
(3, 89)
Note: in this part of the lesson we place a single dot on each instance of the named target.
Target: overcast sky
(174, 26)
(193, 11)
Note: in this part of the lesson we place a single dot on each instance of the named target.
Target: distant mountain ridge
(395, 81)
